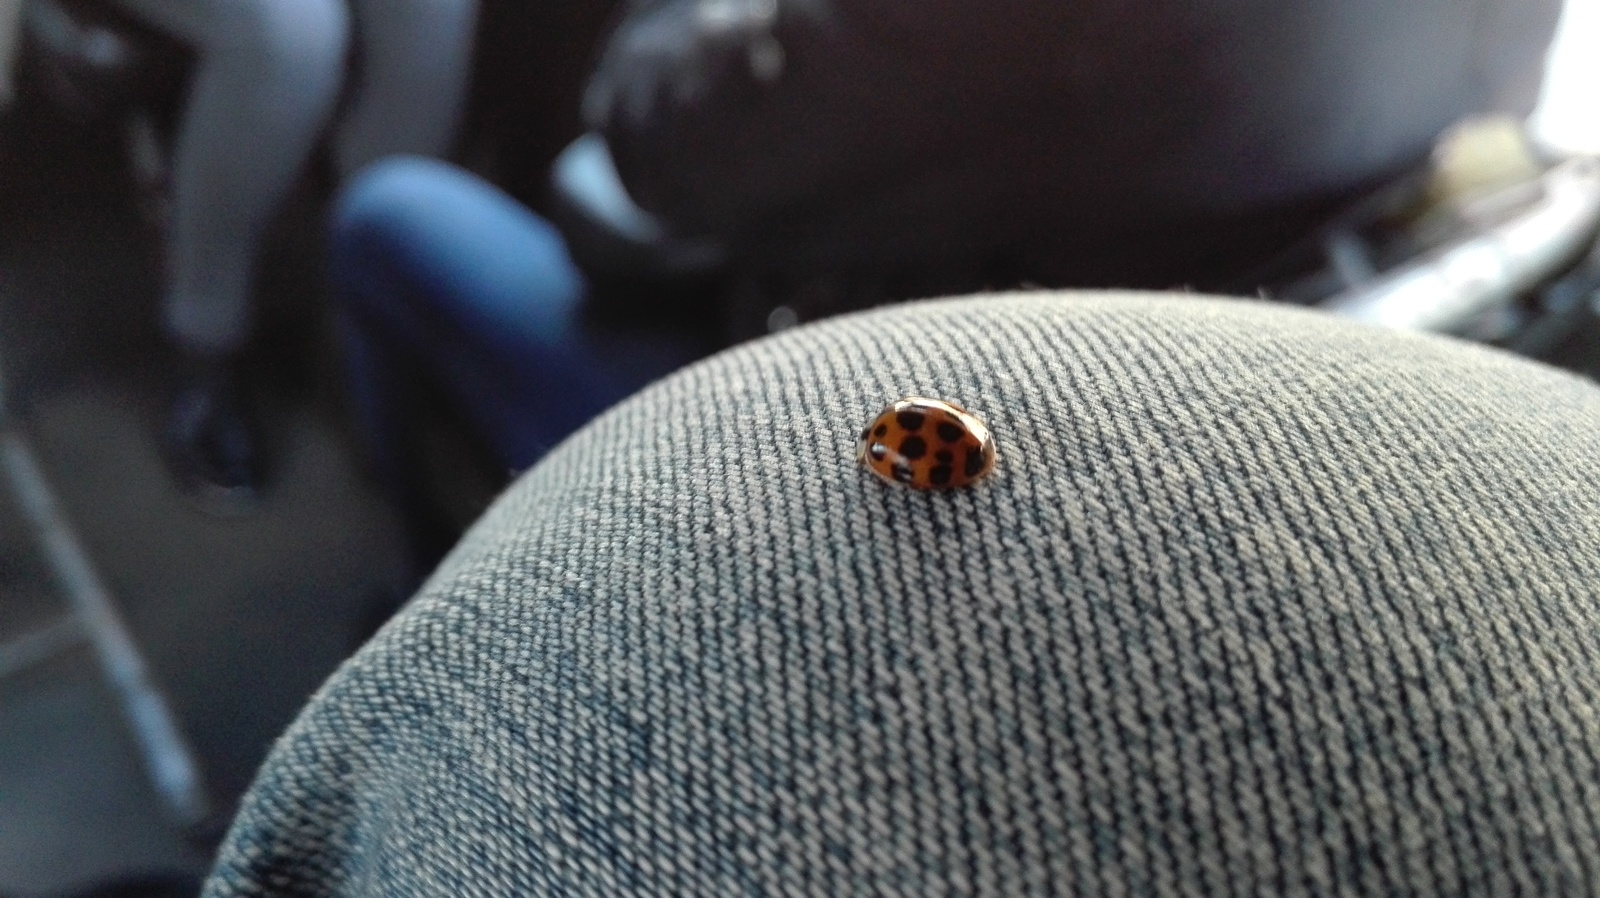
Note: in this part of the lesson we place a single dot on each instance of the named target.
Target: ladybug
(927, 444)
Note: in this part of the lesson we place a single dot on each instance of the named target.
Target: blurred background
(158, 626)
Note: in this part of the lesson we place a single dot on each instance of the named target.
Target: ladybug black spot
(974, 461)
(910, 421)
(950, 433)
(913, 448)
(940, 475)
(882, 429)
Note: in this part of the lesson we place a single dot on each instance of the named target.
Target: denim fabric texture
(1257, 602)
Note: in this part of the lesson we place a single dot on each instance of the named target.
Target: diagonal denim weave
(1256, 603)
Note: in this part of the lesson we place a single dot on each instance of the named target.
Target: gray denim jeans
(1257, 602)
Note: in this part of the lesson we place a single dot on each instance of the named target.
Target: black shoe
(211, 444)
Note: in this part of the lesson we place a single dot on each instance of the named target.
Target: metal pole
(1447, 289)
(171, 765)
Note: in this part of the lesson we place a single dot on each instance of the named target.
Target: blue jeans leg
(442, 270)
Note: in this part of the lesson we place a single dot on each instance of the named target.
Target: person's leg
(1255, 602)
(441, 276)
(446, 269)
(419, 302)
(416, 62)
(268, 75)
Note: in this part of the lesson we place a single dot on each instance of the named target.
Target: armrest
(607, 233)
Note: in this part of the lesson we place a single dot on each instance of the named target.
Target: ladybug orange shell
(928, 444)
